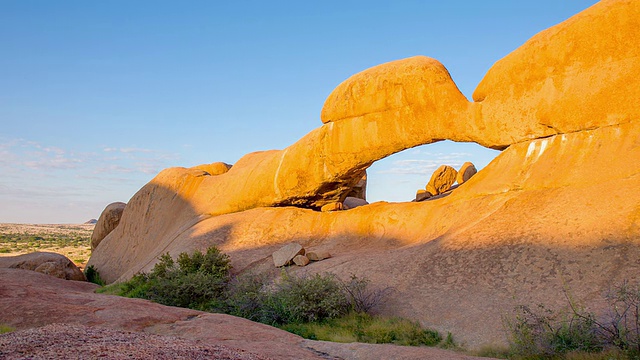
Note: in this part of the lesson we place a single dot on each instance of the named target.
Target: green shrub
(195, 281)
(366, 328)
(542, 333)
(306, 299)
(247, 296)
(93, 276)
(316, 307)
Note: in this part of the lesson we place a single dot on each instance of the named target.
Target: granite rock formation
(557, 206)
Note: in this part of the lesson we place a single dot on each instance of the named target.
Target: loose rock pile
(294, 253)
(442, 181)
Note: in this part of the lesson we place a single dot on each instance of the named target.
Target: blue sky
(96, 97)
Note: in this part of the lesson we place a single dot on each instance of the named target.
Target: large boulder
(108, 220)
(48, 263)
(467, 170)
(441, 180)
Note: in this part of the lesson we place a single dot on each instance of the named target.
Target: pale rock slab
(301, 260)
(285, 255)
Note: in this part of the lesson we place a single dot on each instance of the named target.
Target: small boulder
(45, 262)
(334, 206)
(353, 202)
(108, 220)
(301, 260)
(285, 255)
(465, 173)
(441, 180)
(318, 255)
(422, 195)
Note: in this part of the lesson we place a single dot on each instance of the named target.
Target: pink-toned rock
(353, 202)
(285, 255)
(467, 170)
(441, 180)
(301, 260)
(108, 220)
(318, 255)
(50, 313)
(48, 263)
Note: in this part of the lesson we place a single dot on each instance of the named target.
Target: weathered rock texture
(441, 180)
(556, 207)
(108, 220)
(48, 263)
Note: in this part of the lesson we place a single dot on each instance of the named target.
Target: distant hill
(91, 222)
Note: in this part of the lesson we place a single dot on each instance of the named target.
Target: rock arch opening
(397, 177)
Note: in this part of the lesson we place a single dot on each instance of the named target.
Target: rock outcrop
(108, 220)
(557, 206)
(47, 263)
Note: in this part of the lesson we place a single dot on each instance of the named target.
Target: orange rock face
(557, 207)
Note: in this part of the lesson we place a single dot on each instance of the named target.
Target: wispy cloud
(425, 166)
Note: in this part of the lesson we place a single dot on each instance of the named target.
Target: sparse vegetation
(195, 281)
(577, 334)
(72, 241)
(6, 329)
(93, 276)
(362, 327)
(316, 306)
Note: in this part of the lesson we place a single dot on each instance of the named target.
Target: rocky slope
(556, 211)
(65, 319)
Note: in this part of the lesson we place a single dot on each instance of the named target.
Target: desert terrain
(70, 240)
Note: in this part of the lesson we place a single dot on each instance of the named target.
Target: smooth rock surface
(108, 220)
